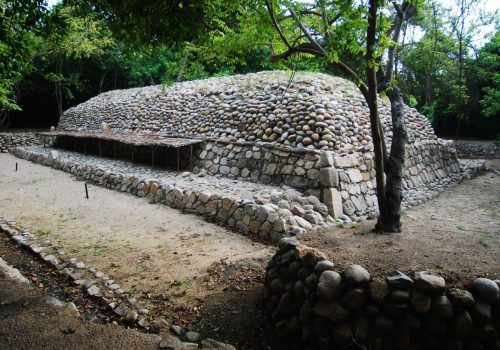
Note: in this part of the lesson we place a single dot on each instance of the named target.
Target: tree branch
(301, 48)
(353, 75)
(306, 32)
(404, 12)
(335, 19)
(276, 25)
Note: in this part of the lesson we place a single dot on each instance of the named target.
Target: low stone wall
(427, 164)
(313, 306)
(268, 220)
(261, 162)
(483, 150)
(345, 183)
(10, 140)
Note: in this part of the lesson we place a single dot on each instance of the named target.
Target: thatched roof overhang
(135, 139)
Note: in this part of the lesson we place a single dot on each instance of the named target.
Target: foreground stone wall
(11, 140)
(313, 306)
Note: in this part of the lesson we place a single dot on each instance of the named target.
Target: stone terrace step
(264, 210)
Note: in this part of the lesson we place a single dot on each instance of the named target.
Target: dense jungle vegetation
(53, 57)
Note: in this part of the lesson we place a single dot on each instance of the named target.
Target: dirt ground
(149, 249)
(24, 320)
(456, 235)
(28, 322)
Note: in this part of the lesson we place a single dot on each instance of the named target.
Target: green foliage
(488, 70)
(451, 86)
(18, 27)
(412, 101)
(430, 111)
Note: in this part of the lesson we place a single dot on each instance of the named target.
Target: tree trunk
(4, 120)
(58, 92)
(371, 98)
(182, 68)
(102, 80)
(389, 219)
(58, 86)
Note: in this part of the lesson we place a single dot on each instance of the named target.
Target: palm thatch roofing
(135, 139)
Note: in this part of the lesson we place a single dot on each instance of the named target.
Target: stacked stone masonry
(11, 140)
(483, 150)
(270, 219)
(313, 306)
(311, 134)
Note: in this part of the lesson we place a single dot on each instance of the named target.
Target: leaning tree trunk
(4, 119)
(389, 219)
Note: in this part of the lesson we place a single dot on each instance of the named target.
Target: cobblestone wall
(313, 306)
(483, 150)
(10, 140)
(345, 183)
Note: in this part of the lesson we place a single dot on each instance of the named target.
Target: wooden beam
(178, 160)
(152, 157)
(191, 157)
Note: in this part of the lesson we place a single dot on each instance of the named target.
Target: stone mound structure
(314, 110)
(311, 133)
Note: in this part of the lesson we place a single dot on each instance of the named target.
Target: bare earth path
(456, 234)
(20, 328)
(143, 247)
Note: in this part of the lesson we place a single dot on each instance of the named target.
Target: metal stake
(86, 191)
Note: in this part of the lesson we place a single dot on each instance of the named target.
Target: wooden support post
(86, 191)
(152, 157)
(178, 160)
(191, 157)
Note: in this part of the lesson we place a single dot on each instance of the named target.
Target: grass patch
(181, 283)
(361, 232)
(461, 227)
(98, 248)
(43, 232)
(483, 239)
